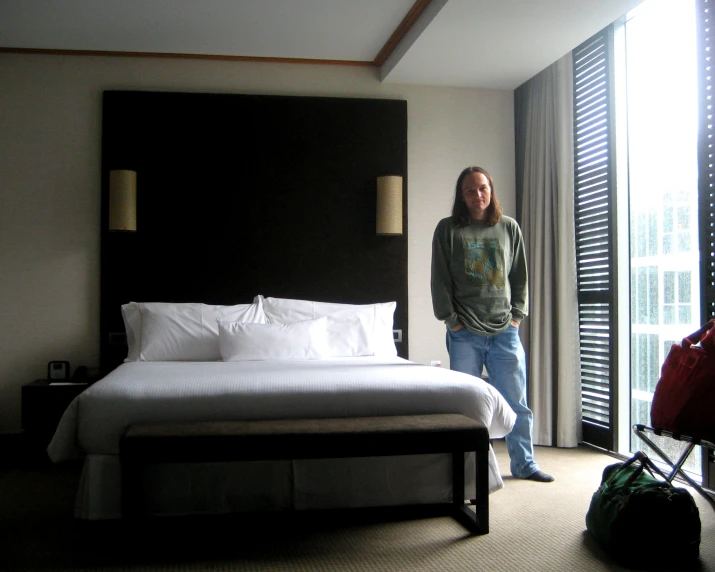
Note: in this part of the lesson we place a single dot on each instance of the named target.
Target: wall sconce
(122, 200)
(389, 205)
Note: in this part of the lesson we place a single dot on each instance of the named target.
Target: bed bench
(284, 439)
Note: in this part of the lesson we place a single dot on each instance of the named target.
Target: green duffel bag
(643, 521)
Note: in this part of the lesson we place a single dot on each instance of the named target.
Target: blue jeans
(503, 355)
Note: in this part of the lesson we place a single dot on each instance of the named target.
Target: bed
(272, 359)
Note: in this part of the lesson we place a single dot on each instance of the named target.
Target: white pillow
(133, 327)
(162, 331)
(240, 341)
(377, 318)
(350, 333)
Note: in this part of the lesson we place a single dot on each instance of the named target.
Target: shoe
(540, 477)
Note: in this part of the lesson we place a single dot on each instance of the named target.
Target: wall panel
(241, 195)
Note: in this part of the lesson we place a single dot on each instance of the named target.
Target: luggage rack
(640, 430)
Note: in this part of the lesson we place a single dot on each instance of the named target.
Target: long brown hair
(460, 214)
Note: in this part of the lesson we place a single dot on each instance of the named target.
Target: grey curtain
(543, 108)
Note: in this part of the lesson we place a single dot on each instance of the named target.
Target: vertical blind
(706, 158)
(706, 183)
(594, 167)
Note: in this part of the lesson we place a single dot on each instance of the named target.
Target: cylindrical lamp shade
(122, 200)
(389, 205)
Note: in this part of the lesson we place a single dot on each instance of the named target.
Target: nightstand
(43, 403)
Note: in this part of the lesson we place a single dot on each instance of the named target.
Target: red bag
(684, 398)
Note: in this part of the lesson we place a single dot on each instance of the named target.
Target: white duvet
(193, 391)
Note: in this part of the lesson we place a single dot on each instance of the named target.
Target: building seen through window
(662, 128)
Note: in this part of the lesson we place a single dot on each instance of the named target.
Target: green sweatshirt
(479, 276)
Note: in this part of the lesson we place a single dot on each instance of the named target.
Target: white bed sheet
(348, 387)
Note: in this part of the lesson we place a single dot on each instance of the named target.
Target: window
(654, 216)
(662, 166)
(677, 297)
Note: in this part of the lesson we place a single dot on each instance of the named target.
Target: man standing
(480, 291)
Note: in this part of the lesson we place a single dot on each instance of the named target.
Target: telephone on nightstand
(58, 370)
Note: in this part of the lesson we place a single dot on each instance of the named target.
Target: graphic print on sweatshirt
(481, 261)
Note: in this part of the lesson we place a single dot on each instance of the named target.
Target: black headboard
(239, 195)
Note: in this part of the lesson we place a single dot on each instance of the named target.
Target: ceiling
(495, 44)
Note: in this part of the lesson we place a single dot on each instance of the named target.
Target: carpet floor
(533, 527)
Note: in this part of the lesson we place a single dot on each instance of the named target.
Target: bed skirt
(220, 488)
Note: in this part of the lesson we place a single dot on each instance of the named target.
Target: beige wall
(50, 120)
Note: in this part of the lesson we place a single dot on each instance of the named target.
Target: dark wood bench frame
(288, 439)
